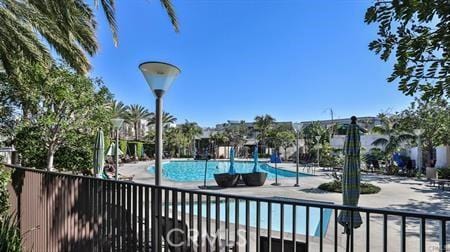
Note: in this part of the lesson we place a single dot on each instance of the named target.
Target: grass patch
(336, 186)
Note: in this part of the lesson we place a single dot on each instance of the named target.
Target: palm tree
(167, 119)
(237, 134)
(176, 140)
(68, 27)
(118, 109)
(220, 139)
(311, 131)
(263, 124)
(395, 137)
(135, 114)
(191, 130)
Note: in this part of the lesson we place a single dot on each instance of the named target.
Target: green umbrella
(99, 154)
(351, 179)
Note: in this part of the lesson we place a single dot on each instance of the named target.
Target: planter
(226, 179)
(431, 173)
(254, 178)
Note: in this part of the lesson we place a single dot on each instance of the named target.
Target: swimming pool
(188, 171)
(300, 223)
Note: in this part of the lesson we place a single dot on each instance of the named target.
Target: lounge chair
(440, 183)
(276, 245)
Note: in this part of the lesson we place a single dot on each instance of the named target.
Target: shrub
(139, 149)
(444, 173)
(10, 237)
(5, 177)
(336, 186)
(392, 170)
(123, 146)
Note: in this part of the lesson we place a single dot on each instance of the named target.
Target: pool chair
(254, 178)
(276, 245)
(226, 179)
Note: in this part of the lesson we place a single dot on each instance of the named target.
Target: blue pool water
(300, 223)
(184, 171)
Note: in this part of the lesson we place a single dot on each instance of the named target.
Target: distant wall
(337, 141)
(442, 156)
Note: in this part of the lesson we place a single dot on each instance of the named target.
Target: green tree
(118, 109)
(135, 114)
(66, 108)
(433, 117)
(263, 124)
(416, 32)
(191, 130)
(220, 139)
(311, 131)
(167, 119)
(176, 142)
(287, 139)
(236, 134)
(390, 128)
(68, 27)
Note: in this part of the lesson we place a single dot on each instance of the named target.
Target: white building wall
(442, 156)
(337, 141)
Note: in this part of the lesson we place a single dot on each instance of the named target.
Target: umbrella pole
(206, 168)
(348, 243)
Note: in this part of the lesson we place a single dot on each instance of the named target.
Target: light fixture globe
(117, 123)
(159, 75)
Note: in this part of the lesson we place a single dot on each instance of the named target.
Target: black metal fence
(59, 212)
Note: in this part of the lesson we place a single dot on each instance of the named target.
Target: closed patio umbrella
(351, 179)
(99, 154)
(232, 170)
(255, 159)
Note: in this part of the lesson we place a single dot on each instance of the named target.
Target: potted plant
(430, 171)
(255, 178)
(230, 178)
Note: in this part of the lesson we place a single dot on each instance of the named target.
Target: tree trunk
(136, 131)
(50, 156)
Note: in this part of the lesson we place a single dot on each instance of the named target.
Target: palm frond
(380, 142)
(109, 10)
(167, 4)
(379, 129)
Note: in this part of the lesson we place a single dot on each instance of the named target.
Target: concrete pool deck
(400, 193)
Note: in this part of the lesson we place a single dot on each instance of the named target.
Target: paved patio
(401, 193)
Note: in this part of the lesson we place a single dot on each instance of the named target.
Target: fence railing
(59, 212)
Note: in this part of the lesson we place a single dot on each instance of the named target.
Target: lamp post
(297, 127)
(318, 150)
(159, 77)
(117, 124)
(418, 133)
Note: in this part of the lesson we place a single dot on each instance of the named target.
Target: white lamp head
(159, 75)
(297, 126)
(117, 123)
(418, 132)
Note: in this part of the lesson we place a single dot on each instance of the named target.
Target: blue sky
(293, 59)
